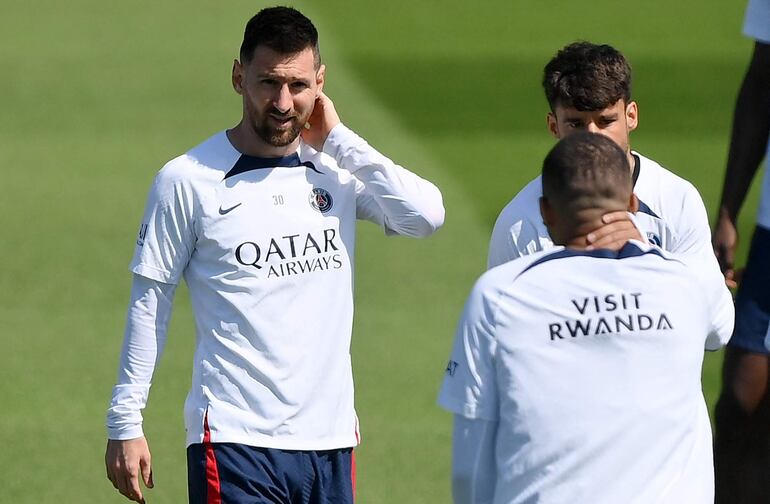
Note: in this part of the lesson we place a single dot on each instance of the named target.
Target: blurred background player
(742, 428)
(261, 222)
(576, 375)
(588, 88)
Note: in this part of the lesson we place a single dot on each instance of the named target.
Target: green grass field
(97, 96)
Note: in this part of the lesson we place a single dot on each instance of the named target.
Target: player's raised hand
(616, 230)
(126, 461)
(323, 118)
(725, 241)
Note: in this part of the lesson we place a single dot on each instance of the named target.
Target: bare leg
(742, 437)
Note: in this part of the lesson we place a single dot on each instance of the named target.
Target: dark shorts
(230, 473)
(752, 302)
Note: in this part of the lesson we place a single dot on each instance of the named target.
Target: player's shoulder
(525, 204)
(208, 161)
(504, 276)
(526, 198)
(660, 179)
(498, 282)
(632, 251)
(323, 164)
(670, 197)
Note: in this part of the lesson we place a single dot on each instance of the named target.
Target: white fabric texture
(473, 461)
(672, 216)
(590, 362)
(756, 23)
(149, 312)
(266, 247)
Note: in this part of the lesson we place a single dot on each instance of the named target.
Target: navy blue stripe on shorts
(231, 473)
(752, 302)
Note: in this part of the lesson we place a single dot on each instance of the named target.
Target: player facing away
(260, 221)
(742, 416)
(588, 88)
(575, 373)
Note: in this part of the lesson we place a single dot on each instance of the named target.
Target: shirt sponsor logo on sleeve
(142, 234)
(451, 367)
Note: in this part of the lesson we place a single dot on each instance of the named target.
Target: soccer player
(260, 222)
(588, 88)
(742, 426)
(575, 374)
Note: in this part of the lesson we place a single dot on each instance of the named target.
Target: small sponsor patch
(321, 200)
(142, 234)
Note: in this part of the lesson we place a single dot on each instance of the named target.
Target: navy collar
(247, 163)
(643, 207)
(637, 167)
(630, 249)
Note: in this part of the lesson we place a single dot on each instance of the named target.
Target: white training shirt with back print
(589, 366)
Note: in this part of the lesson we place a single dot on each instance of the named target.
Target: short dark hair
(587, 77)
(585, 170)
(283, 29)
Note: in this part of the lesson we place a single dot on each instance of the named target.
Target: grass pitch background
(97, 96)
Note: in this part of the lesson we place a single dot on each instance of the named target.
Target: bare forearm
(751, 127)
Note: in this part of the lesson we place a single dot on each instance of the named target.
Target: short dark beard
(278, 138)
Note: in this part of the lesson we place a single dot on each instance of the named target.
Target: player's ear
(320, 77)
(546, 211)
(632, 116)
(633, 204)
(553, 125)
(237, 77)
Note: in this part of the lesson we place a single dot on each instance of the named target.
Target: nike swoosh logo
(224, 211)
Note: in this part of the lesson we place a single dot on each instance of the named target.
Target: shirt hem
(279, 443)
(464, 409)
(153, 273)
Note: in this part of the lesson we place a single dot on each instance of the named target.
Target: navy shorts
(230, 473)
(752, 302)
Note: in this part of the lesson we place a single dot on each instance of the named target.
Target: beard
(279, 137)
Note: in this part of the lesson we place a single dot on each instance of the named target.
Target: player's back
(598, 366)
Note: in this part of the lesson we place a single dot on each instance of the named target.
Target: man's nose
(283, 100)
(591, 127)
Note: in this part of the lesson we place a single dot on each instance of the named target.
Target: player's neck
(581, 243)
(575, 235)
(246, 141)
(631, 160)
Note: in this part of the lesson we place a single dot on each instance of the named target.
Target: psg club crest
(321, 200)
